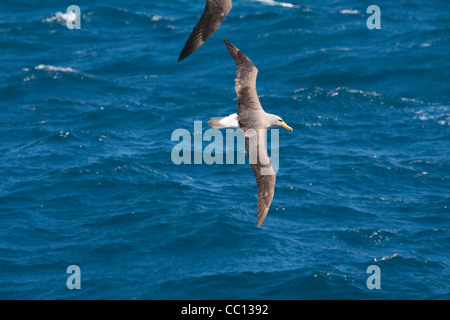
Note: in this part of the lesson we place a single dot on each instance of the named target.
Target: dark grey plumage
(213, 14)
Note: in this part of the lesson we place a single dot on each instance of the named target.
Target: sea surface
(86, 170)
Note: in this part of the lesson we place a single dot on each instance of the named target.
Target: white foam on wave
(429, 112)
(62, 17)
(425, 45)
(387, 257)
(349, 11)
(277, 3)
(411, 100)
(439, 114)
(157, 18)
(152, 17)
(55, 69)
(364, 93)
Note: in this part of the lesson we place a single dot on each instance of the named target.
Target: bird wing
(245, 82)
(263, 170)
(213, 15)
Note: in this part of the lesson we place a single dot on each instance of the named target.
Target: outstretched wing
(213, 15)
(264, 173)
(245, 81)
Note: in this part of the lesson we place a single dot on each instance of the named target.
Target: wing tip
(183, 54)
(261, 216)
(231, 48)
(259, 222)
(188, 49)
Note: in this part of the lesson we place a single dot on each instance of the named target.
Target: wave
(276, 3)
(387, 257)
(142, 14)
(349, 11)
(440, 114)
(55, 69)
(61, 17)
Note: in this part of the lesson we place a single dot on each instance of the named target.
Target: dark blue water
(86, 118)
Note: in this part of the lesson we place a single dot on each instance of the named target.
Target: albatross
(254, 122)
(213, 14)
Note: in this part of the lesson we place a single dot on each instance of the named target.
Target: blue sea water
(86, 176)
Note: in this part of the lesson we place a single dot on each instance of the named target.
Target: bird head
(278, 122)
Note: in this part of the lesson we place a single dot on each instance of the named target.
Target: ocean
(362, 198)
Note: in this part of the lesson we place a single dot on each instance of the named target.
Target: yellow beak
(284, 125)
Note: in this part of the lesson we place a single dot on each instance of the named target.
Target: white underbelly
(231, 121)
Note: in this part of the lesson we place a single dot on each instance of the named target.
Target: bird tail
(215, 123)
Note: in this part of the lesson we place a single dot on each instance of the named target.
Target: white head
(275, 122)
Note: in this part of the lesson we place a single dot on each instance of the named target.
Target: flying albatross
(254, 122)
(213, 15)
